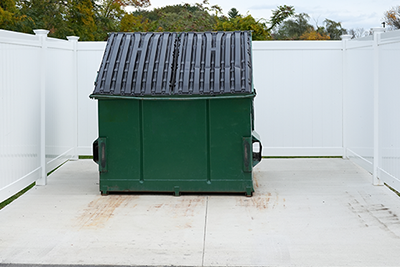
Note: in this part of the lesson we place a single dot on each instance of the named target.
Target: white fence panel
(89, 58)
(359, 110)
(298, 108)
(61, 110)
(19, 112)
(389, 108)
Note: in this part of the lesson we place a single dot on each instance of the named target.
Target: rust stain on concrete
(259, 202)
(262, 202)
(255, 181)
(100, 210)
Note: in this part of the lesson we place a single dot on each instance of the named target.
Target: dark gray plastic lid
(165, 64)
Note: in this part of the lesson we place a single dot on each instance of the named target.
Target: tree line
(92, 20)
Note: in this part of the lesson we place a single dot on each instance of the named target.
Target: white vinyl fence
(298, 107)
(314, 98)
(372, 105)
(44, 89)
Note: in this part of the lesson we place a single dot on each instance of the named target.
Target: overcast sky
(351, 13)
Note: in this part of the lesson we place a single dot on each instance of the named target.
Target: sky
(352, 14)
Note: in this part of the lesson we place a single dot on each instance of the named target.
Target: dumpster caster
(249, 192)
(104, 193)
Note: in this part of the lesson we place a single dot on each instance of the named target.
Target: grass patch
(394, 190)
(57, 168)
(17, 195)
(23, 191)
(85, 157)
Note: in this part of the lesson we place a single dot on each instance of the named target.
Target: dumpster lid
(175, 64)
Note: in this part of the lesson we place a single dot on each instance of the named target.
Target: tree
(182, 17)
(46, 14)
(299, 28)
(247, 23)
(81, 19)
(280, 14)
(259, 28)
(109, 13)
(188, 18)
(233, 13)
(10, 18)
(7, 14)
(334, 29)
(132, 23)
(292, 29)
(392, 17)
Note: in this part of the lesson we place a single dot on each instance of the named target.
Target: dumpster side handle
(100, 153)
(257, 156)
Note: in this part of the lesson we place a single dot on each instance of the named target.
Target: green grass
(23, 191)
(17, 195)
(394, 190)
(48, 174)
(85, 157)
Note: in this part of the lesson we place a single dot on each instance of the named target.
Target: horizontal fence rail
(314, 98)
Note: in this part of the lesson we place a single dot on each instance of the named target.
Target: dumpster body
(173, 121)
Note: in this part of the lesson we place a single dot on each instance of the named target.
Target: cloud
(269, 7)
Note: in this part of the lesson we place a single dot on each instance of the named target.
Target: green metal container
(173, 116)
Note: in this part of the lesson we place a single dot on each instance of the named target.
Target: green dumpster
(175, 113)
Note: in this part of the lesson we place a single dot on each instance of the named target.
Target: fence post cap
(346, 36)
(73, 38)
(41, 32)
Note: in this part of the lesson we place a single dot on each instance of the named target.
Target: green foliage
(46, 14)
(81, 19)
(280, 14)
(292, 29)
(7, 19)
(94, 19)
(259, 28)
(187, 19)
(10, 18)
(108, 16)
(233, 13)
(138, 23)
(314, 35)
(334, 29)
(9, 6)
(299, 28)
(247, 23)
(182, 17)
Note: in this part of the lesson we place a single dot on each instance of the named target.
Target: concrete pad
(69, 222)
(305, 212)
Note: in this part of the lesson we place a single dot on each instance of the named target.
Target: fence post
(74, 41)
(345, 39)
(42, 36)
(377, 154)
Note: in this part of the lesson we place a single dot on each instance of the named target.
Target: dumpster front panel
(169, 146)
(174, 146)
